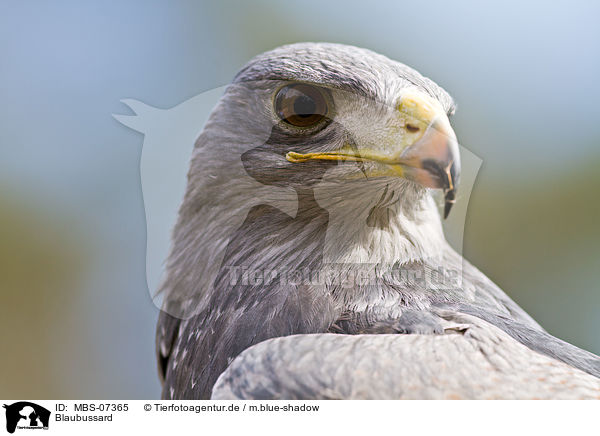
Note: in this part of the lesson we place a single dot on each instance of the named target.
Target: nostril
(412, 128)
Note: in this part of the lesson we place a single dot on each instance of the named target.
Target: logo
(26, 415)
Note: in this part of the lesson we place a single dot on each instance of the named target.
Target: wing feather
(472, 360)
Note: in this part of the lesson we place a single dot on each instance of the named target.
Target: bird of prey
(355, 292)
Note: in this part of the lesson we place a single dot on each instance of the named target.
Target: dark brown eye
(300, 105)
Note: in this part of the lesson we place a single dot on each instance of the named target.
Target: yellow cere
(418, 106)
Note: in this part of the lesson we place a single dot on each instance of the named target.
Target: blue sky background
(524, 75)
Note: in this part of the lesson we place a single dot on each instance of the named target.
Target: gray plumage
(469, 359)
(247, 208)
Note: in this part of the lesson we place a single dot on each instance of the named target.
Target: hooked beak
(427, 153)
(434, 162)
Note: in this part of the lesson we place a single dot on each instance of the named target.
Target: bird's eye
(301, 105)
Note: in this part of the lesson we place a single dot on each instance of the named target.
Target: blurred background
(76, 318)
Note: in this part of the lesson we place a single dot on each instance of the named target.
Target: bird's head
(316, 127)
(370, 123)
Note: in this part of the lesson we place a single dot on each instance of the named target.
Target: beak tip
(449, 200)
(447, 208)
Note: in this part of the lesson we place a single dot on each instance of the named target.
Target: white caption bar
(299, 417)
